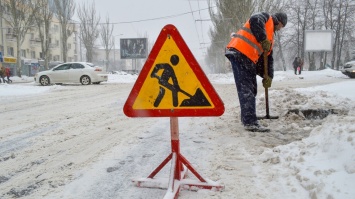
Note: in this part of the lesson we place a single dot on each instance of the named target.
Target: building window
(23, 53)
(10, 51)
(69, 46)
(56, 58)
(33, 54)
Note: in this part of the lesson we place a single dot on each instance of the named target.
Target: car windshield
(91, 65)
(62, 67)
(349, 65)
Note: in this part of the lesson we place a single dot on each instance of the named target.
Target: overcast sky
(132, 19)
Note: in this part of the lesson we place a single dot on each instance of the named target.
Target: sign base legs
(179, 167)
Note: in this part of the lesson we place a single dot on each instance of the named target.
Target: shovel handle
(186, 93)
(266, 75)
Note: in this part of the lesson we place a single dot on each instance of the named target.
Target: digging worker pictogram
(198, 99)
(168, 72)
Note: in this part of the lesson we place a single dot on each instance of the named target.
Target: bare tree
(228, 17)
(64, 11)
(344, 7)
(107, 40)
(332, 15)
(89, 23)
(313, 15)
(20, 18)
(43, 20)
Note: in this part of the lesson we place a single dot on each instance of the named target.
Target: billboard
(134, 48)
(318, 40)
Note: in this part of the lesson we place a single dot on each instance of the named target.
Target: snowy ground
(74, 141)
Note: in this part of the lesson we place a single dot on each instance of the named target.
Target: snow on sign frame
(318, 40)
(172, 83)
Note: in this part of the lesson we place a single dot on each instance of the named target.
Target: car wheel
(96, 82)
(44, 80)
(85, 80)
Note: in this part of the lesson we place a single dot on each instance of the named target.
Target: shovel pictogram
(198, 99)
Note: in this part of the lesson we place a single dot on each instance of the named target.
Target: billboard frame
(318, 40)
(134, 48)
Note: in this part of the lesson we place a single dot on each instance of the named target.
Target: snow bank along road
(48, 138)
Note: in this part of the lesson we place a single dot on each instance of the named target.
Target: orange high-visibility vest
(246, 43)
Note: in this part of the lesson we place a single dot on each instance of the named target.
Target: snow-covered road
(75, 142)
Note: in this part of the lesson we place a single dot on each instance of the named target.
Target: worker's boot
(256, 128)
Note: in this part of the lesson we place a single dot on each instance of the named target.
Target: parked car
(349, 69)
(72, 72)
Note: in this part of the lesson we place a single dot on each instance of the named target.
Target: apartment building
(31, 51)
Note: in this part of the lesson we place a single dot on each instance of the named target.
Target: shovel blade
(198, 99)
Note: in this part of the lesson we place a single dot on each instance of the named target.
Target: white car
(72, 72)
(349, 69)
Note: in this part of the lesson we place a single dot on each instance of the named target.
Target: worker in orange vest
(245, 52)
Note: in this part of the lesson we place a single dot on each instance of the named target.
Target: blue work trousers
(244, 71)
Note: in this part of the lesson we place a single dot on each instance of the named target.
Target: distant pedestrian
(8, 74)
(2, 74)
(300, 65)
(297, 65)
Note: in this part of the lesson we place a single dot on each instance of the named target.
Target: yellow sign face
(10, 60)
(171, 83)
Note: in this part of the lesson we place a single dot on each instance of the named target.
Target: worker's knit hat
(281, 17)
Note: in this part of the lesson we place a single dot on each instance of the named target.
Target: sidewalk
(22, 79)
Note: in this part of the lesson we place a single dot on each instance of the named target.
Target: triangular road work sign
(172, 83)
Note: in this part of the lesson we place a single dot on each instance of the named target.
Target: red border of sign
(180, 112)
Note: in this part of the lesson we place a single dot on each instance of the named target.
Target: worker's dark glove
(266, 45)
(267, 82)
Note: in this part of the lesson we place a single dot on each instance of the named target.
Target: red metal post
(175, 146)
